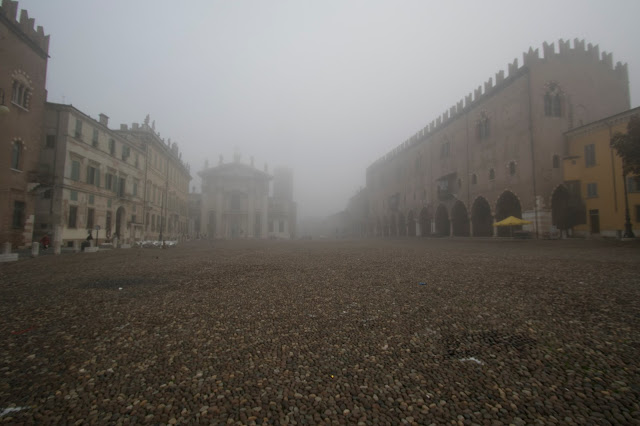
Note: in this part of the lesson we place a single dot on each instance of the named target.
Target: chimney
(135, 126)
(124, 127)
(104, 120)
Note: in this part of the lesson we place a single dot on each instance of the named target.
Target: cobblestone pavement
(418, 331)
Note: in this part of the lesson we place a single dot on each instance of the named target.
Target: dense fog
(323, 87)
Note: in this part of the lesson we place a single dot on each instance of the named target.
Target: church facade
(236, 202)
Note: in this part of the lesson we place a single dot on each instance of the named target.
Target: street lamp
(3, 108)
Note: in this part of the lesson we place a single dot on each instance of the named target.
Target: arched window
(474, 179)
(16, 155)
(553, 100)
(492, 174)
(556, 161)
(482, 126)
(21, 90)
(512, 168)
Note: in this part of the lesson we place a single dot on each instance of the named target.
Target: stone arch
(508, 204)
(481, 218)
(402, 225)
(443, 225)
(560, 207)
(411, 224)
(459, 220)
(425, 222)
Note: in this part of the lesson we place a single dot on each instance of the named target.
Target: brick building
(496, 153)
(23, 72)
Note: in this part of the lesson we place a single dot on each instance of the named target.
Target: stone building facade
(236, 202)
(496, 153)
(166, 183)
(23, 72)
(104, 181)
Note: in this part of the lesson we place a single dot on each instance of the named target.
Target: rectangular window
(121, 187)
(109, 203)
(75, 170)
(135, 187)
(590, 155)
(153, 222)
(73, 195)
(112, 147)
(18, 214)
(51, 141)
(592, 190)
(73, 216)
(91, 199)
(133, 218)
(633, 184)
(94, 138)
(90, 217)
(78, 131)
(125, 152)
(91, 175)
(108, 181)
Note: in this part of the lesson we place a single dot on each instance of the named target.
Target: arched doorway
(411, 224)
(507, 205)
(460, 220)
(402, 226)
(120, 215)
(560, 208)
(481, 218)
(443, 227)
(425, 222)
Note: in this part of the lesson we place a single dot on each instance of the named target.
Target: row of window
(555, 163)
(113, 182)
(125, 151)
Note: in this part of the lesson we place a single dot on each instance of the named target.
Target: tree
(627, 145)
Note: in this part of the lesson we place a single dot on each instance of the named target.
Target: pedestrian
(45, 242)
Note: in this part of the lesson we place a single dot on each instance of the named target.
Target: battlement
(171, 148)
(9, 10)
(529, 59)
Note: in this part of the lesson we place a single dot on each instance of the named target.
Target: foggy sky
(324, 87)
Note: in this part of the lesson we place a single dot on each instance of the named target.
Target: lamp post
(628, 231)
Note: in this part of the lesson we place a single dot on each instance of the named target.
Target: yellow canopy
(512, 221)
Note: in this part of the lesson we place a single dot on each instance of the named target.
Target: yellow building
(592, 198)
